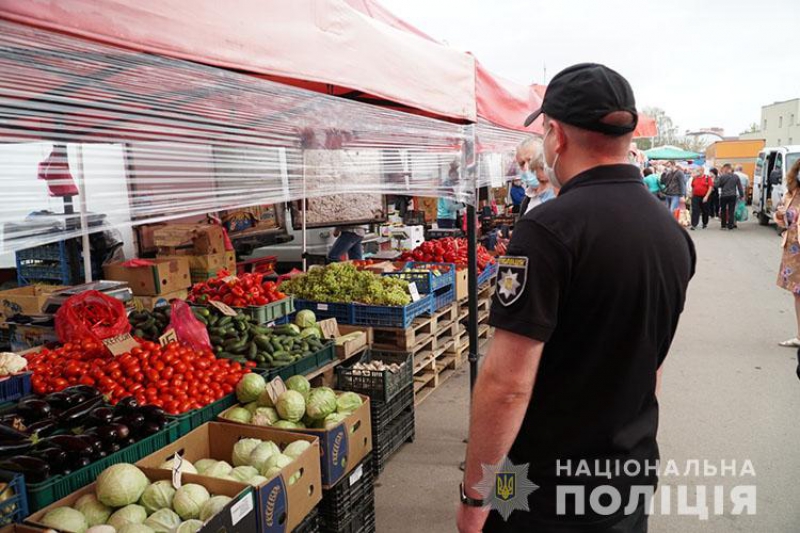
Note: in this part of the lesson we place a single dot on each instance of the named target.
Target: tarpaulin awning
(323, 42)
(670, 153)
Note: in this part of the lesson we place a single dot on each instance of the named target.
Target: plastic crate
(303, 366)
(41, 495)
(427, 281)
(389, 316)
(343, 313)
(49, 263)
(443, 298)
(401, 430)
(14, 504)
(47, 252)
(197, 417)
(487, 274)
(260, 265)
(270, 312)
(360, 520)
(310, 523)
(379, 385)
(339, 501)
(385, 413)
(15, 387)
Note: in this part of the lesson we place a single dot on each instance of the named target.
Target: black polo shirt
(600, 276)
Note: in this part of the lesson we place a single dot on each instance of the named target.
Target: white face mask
(551, 170)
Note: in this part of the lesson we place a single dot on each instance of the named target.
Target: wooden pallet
(399, 339)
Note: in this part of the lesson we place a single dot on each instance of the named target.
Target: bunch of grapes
(344, 283)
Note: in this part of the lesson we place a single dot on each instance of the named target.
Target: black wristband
(469, 502)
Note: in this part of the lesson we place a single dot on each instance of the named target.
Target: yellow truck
(736, 152)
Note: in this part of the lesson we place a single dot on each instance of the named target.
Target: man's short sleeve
(531, 282)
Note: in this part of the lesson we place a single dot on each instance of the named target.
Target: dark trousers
(727, 206)
(446, 223)
(699, 207)
(713, 204)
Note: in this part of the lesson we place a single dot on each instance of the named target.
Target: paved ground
(729, 392)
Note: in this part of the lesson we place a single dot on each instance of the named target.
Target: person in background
(447, 213)
(517, 195)
(730, 189)
(538, 188)
(682, 214)
(713, 200)
(653, 182)
(348, 241)
(702, 186)
(745, 181)
(787, 216)
(673, 185)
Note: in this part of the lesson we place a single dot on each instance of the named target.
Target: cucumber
(226, 355)
(203, 320)
(262, 341)
(231, 334)
(138, 333)
(252, 351)
(224, 321)
(231, 344)
(212, 320)
(215, 340)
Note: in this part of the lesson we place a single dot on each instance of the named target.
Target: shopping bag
(91, 315)
(188, 329)
(741, 211)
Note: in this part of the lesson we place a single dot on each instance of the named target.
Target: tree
(667, 130)
(752, 128)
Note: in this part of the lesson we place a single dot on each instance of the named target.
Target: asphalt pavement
(729, 393)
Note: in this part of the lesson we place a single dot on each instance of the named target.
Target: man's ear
(561, 137)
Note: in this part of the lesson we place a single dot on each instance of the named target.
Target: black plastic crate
(310, 524)
(360, 520)
(380, 386)
(339, 501)
(400, 431)
(384, 413)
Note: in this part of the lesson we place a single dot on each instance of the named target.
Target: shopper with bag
(702, 186)
(730, 189)
(673, 183)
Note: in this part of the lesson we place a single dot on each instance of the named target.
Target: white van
(769, 181)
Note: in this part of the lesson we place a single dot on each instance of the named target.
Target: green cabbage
(238, 414)
(242, 450)
(157, 496)
(95, 512)
(130, 514)
(296, 448)
(310, 333)
(287, 424)
(251, 406)
(257, 481)
(295, 478)
(299, 384)
(333, 420)
(204, 464)
(261, 453)
(265, 400)
(250, 387)
(264, 416)
(135, 528)
(219, 470)
(321, 403)
(243, 474)
(163, 521)
(291, 406)
(189, 499)
(213, 506)
(102, 528)
(120, 485)
(275, 464)
(305, 318)
(347, 402)
(65, 519)
(190, 526)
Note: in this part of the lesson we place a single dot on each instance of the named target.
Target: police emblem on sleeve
(512, 274)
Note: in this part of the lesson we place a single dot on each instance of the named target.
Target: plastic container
(41, 495)
(303, 366)
(442, 298)
(401, 430)
(385, 413)
(14, 505)
(340, 501)
(269, 313)
(15, 387)
(427, 281)
(379, 385)
(390, 316)
(310, 523)
(343, 313)
(487, 273)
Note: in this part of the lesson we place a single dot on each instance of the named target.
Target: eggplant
(153, 412)
(94, 441)
(126, 405)
(33, 410)
(72, 444)
(84, 391)
(130, 441)
(133, 420)
(99, 417)
(113, 448)
(52, 456)
(11, 420)
(59, 400)
(15, 447)
(9, 433)
(80, 461)
(43, 428)
(123, 431)
(34, 469)
(150, 428)
(75, 415)
(107, 434)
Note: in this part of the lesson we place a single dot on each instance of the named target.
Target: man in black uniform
(587, 303)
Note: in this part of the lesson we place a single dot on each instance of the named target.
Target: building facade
(780, 124)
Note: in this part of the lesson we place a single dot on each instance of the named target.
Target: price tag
(224, 309)
(228, 279)
(120, 344)
(357, 474)
(412, 289)
(177, 463)
(168, 337)
(322, 307)
(275, 388)
(329, 327)
(271, 324)
(242, 508)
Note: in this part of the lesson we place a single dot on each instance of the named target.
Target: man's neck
(568, 170)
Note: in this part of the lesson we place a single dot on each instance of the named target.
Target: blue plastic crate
(426, 281)
(487, 274)
(391, 317)
(15, 387)
(442, 298)
(343, 313)
(14, 504)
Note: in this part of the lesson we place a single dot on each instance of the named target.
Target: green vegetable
(310, 332)
(262, 453)
(163, 521)
(219, 470)
(275, 464)
(102, 528)
(121, 484)
(189, 499)
(130, 514)
(265, 400)
(288, 424)
(204, 464)
(242, 450)
(333, 420)
(95, 512)
(213, 506)
(244, 474)
(157, 496)
(257, 481)
(65, 519)
(305, 318)
(135, 528)
(343, 282)
(238, 414)
(291, 406)
(264, 416)
(347, 402)
(190, 526)
(294, 449)
(250, 387)
(321, 403)
(299, 384)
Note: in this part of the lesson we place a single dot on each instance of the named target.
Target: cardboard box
(238, 516)
(354, 346)
(462, 285)
(148, 303)
(203, 267)
(25, 300)
(281, 507)
(20, 528)
(27, 337)
(342, 447)
(203, 239)
(163, 277)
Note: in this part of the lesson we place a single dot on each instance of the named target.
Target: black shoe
(705, 226)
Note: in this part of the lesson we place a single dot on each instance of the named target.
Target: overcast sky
(705, 62)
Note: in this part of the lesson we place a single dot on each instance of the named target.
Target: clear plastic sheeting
(496, 149)
(149, 139)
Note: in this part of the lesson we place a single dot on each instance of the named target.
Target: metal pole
(470, 173)
(305, 240)
(87, 251)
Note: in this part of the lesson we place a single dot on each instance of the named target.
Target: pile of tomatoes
(447, 250)
(237, 291)
(173, 377)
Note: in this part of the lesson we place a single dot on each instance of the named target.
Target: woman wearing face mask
(538, 188)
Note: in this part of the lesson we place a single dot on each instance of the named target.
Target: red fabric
(55, 171)
(701, 185)
(504, 102)
(646, 127)
(136, 263)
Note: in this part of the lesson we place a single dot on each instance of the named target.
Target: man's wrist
(470, 497)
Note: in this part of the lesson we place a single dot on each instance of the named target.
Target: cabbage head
(251, 406)
(190, 526)
(204, 464)
(135, 528)
(286, 424)
(65, 519)
(157, 496)
(321, 403)
(103, 528)
(299, 384)
(291, 406)
(305, 318)
(347, 402)
(257, 481)
(250, 387)
(163, 521)
(213, 506)
(243, 474)
(130, 514)
(218, 470)
(189, 499)
(296, 448)
(264, 416)
(265, 400)
(261, 453)
(238, 414)
(242, 450)
(333, 420)
(275, 464)
(120, 485)
(92, 509)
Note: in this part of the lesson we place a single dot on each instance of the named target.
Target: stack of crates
(349, 506)
(59, 263)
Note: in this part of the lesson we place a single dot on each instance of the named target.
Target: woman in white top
(538, 188)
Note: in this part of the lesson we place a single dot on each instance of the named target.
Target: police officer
(586, 305)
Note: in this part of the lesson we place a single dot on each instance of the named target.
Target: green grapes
(344, 283)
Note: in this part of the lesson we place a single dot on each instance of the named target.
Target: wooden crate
(397, 339)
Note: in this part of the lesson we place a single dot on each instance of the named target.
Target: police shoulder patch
(512, 274)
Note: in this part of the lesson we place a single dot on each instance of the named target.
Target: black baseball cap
(582, 95)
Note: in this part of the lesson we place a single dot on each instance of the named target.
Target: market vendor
(447, 213)
(348, 241)
(587, 301)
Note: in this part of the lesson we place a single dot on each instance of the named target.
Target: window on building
(780, 121)
(791, 141)
(779, 142)
(765, 125)
(791, 121)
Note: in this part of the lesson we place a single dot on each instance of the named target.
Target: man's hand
(471, 519)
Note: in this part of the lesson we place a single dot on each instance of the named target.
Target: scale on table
(115, 289)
